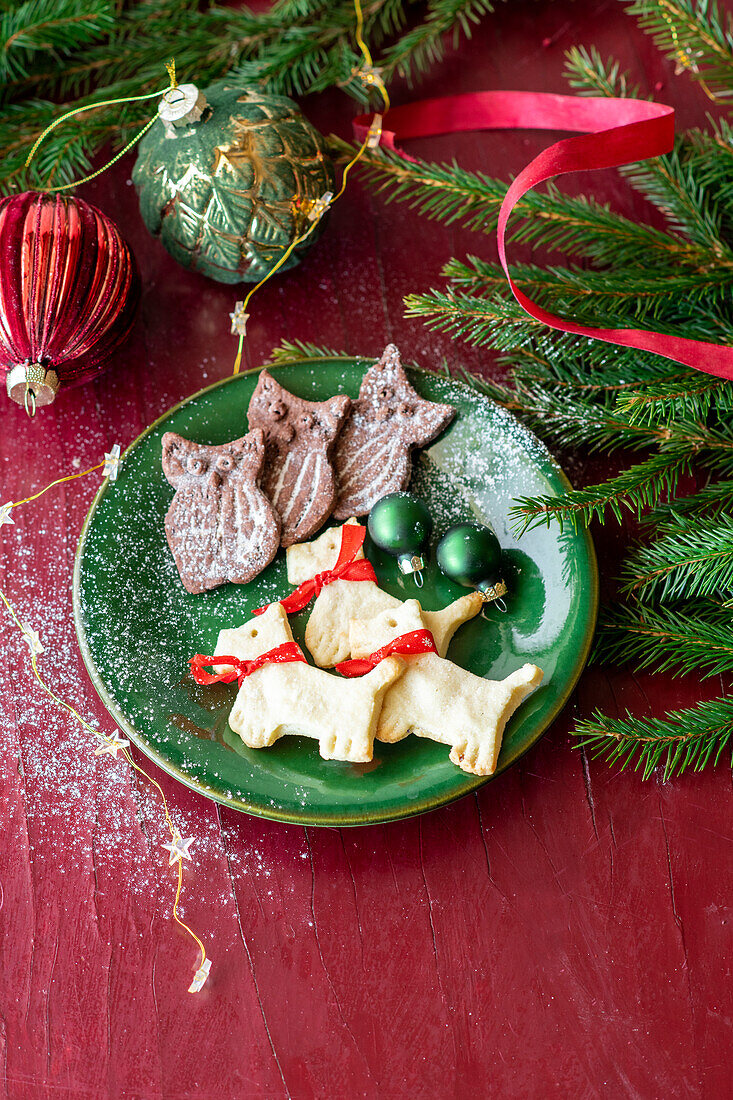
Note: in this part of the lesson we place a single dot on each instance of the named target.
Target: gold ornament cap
(181, 106)
(32, 385)
(494, 591)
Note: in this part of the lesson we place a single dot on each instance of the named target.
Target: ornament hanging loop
(493, 594)
(171, 68)
(31, 385)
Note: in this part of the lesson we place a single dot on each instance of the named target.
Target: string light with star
(108, 744)
(370, 76)
(686, 59)
(312, 213)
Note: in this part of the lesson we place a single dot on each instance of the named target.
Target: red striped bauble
(69, 292)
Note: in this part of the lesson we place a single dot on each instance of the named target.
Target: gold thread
(59, 481)
(90, 729)
(366, 54)
(171, 68)
(378, 83)
(683, 59)
(238, 360)
(294, 244)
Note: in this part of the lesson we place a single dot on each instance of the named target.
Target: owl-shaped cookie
(220, 525)
(388, 421)
(299, 438)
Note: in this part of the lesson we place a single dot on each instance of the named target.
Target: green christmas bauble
(470, 554)
(227, 186)
(400, 523)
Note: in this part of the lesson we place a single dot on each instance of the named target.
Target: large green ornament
(470, 554)
(228, 185)
(400, 523)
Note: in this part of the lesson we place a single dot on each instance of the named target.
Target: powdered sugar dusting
(142, 627)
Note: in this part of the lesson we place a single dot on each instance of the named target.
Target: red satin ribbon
(282, 654)
(417, 641)
(345, 569)
(614, 132)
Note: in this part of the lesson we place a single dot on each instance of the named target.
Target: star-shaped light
(371, 75)
(31, 637)
(5, 516)
(112, 744)
(178, 848)
(374, 136)
(199, 978)
(239, 320)
(112, 463)
(687, 61)
(320, 206)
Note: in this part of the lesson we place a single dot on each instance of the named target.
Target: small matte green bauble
(470, 554)
(227, 186)
(400, 523)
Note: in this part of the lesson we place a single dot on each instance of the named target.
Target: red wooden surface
(563, 933)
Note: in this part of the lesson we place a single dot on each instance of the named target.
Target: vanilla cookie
(436, 699)
(306, 559)
(380, 629)
(327, 632)
(299, 438)
(296, 698)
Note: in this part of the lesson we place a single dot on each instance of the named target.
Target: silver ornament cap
(32, 385)
(181, 106)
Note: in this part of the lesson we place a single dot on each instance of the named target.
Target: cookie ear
(258, 402)
(252, 449)
(255, 441)
(175, 451)
(333, 413)
(433, 418)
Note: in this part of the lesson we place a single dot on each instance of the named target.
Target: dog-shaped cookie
(327, 632)
(296, 698)
(437, 699)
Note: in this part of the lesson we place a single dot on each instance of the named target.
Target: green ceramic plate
(137, 626)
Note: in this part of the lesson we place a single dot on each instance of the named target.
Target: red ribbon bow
(345, 569)
(283, 654)
(417, 641)
(612, 132)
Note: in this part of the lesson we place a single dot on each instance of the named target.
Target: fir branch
(671, 184)
(579, 226)
(690, 738)
(688, 638)
(55, 28)
(680, 183)
(693, 33)
(586, 367)
(299, 351)
(690, 560)
(707, 504)
(689, 394)
(634, 489)
(589, 74)
(423, 45)
(295, 47)
(474, 319)
(634, 293)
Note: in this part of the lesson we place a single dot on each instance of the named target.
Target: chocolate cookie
(220, 525)
(299, 439)
(388, 420)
